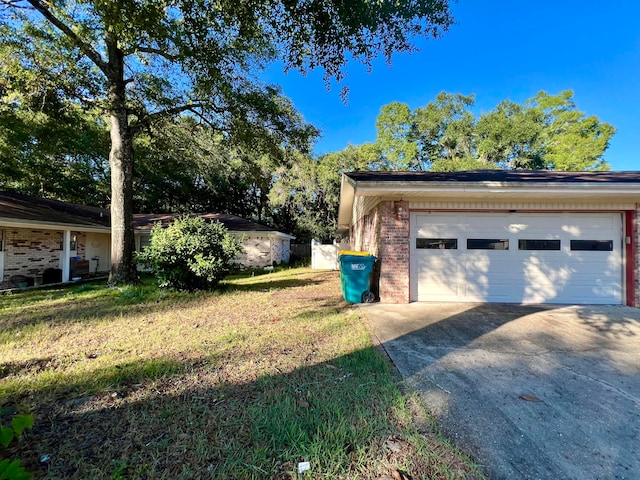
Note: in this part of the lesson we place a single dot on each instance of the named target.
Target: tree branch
(157, 51)
(87, 49)
(146, 120)
(13, 4)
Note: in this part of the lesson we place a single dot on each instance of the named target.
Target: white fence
(325, 257)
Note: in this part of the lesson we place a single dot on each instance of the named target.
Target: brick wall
(635, 235)
(394, 252)
(256, 251)
(384, 232)
(29, 251)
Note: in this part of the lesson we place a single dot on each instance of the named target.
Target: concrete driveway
(535, 392)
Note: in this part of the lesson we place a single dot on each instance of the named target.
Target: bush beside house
(190, 254)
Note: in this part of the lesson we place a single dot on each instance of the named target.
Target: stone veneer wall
(29, 251)
(384, 232)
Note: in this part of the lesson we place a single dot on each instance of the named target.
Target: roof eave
(17, 223)
(347, 197)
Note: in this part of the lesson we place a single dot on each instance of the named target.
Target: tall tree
(305, 195)
(545, 132)
(398, 149)
(52, 148)
(155, 58)
(573, 140)
(443, 129)
(512, 136)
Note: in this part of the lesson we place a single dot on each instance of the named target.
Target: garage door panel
(488, 292)
(442, 273)
(477, 271)
(499, 269)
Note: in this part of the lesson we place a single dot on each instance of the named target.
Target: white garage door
(516, 257)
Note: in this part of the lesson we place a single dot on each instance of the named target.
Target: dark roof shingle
(27, 208)
(533, 176)
(18, 206)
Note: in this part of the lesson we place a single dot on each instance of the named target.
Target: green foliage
(11, 469)
(394, 140)
(18, 425)
(190, 254)
(545, 132)
(144, 61)
(306, 193)
(51, 148)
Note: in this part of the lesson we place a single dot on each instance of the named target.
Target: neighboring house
(40, 237)
(498, 236)
(262, 246)
(45, 241)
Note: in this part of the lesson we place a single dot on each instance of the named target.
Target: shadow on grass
(268, 285)
(338, 415)
(266, 282)
(92, 302)
(87, 303)
(54, 384)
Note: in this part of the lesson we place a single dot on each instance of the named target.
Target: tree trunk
(123, 268)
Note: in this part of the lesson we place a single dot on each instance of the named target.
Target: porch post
(66, 258)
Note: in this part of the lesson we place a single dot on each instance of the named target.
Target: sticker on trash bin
(358, 266)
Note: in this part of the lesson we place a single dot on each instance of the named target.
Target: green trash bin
(355, 278)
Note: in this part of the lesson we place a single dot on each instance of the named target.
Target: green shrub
(190, 254)
(11, 469)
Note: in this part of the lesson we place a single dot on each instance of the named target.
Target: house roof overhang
(44, 225)
(460, 186)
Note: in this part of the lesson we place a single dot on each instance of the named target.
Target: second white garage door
(517, 257)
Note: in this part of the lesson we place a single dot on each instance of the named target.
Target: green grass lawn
(272, 370)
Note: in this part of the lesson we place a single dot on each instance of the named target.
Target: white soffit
(494, 190)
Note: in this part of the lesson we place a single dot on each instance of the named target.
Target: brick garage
(384, 232)
(503, 236)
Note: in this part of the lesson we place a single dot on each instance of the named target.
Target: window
(437, 243)
(592, 245)
(538, 244)
(145, 241)
(487, 244)
(1, 240)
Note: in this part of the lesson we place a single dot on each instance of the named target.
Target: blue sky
(497, 50)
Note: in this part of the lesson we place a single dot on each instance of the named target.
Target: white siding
(362, 206)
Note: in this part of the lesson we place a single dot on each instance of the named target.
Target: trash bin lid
(350, 252)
